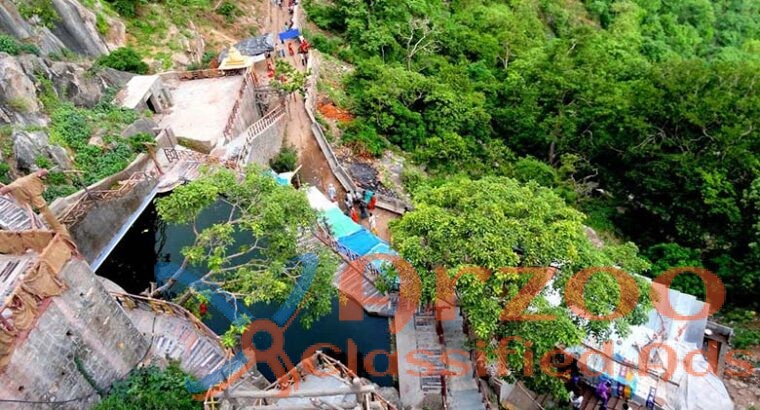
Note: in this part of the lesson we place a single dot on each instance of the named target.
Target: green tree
(665, 256)
(253, 254)
(151, 388)
(124, 59)
(288, 79)
(496, 222)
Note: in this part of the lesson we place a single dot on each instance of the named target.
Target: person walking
(372, 223)
(290, 49)
(331, 192)
(603, 393)
(350, 197)
(354, 215)
(362, 210)
(576, 399)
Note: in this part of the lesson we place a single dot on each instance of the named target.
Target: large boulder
(84, 85)
(17, 91)
(12, 23)
(77, 28)
(144, 125)
(75, 84)
(28, 146)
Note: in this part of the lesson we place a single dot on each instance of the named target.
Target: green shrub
(101, 24)
(228, 9)
(530, 169)
(324, 44)
(412, 177)
(19, 104)
(285, 161)
(41, 8)
(124, 59)
(5, 171)
(137, 142)
(151, 388)
(362, 136)
(12, 46)
(205, 61)
(744, 338)
(58, 191)
(126, 8)
(69, 127)
(43, 162)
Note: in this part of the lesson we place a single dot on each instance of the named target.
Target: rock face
(16, 86)
(28, 146)
(79, 83)
(12, 23)
(145, 125)
(20, 108)
(75, 29)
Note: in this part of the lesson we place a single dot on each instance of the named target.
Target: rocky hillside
(27, 83)
(58, 25)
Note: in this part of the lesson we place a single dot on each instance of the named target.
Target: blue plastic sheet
(340, 224)
(360, 242)
(288, 34)
(383, 248)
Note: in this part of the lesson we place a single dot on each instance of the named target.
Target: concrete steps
(356, 286)
(14, 217)
(12, 268)
(462, 388)
(430, 350)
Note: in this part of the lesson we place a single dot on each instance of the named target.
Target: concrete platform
(201, 109)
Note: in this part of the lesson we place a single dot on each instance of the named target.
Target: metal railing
(159, 306)
(257, 128)
(79, 208)
(321, 364)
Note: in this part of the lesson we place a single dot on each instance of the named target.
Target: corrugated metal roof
(252, 46)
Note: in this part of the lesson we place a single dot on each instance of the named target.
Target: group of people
(603, 389)
(364, 202)
(303, 45)
(603, 393)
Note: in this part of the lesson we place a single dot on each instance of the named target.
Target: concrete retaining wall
(104, 219)
(267, 144)
(245, 111)
(81, 334)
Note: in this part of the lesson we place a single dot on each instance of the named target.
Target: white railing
(257, 128)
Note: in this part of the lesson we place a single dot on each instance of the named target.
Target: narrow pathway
(315, 169)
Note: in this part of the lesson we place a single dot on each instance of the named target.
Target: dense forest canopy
(642, 113)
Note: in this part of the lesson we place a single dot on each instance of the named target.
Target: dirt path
(314, 167)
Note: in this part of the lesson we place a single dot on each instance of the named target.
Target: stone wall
(267, 144)
(94, 232)
(81, 338)
(246, 111)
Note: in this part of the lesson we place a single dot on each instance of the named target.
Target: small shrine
(234, 60)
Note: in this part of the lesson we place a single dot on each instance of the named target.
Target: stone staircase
(429, 349)
(175, 335)
(12, 268)
(14, 217)
(363, 291)
(461, 386)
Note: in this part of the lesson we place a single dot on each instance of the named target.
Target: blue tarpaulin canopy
(339, 223)
(289, 34)
(360, 242)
